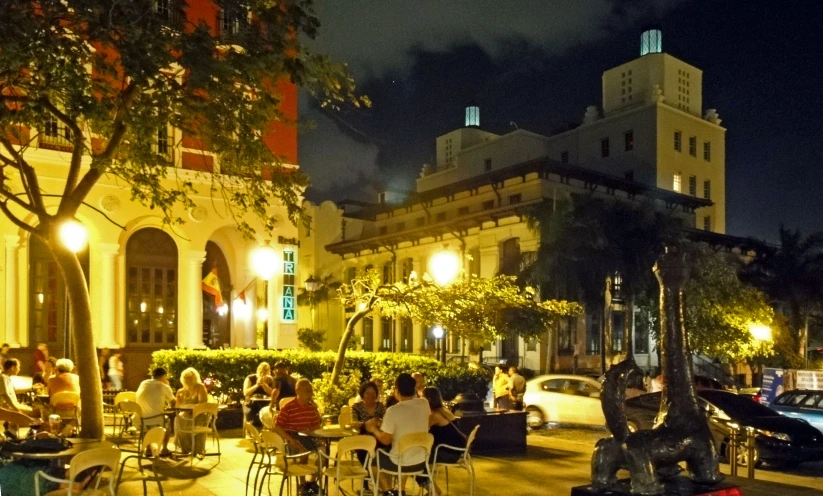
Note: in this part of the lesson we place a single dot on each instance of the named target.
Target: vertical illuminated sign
(288, 300)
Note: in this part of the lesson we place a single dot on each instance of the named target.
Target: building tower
(472, 115)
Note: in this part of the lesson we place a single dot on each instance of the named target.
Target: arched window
(48, 301)
(151, 289)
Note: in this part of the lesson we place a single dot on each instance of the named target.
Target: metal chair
(114, 412)
(66, 404)
(133, 410)
(254, 435)
(464, 462)
(419, 442)
(153, 441)
(210, 411)
(279, 463)
(107, 458)
(350, 469)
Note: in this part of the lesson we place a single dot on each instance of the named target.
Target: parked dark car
(780, 440)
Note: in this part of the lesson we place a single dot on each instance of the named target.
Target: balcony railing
(56, 136)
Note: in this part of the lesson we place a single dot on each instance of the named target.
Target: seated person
(64, 380)
(283, 386)
(8, 397)
(369, 407)
(260, 383)
(192, 393)
(442, 427)
(298, 416)
(409, 416)
(152, 396)
(39, 382)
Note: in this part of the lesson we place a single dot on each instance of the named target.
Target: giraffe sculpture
(652, 455)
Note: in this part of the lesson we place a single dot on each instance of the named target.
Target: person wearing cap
(283, 385)
(152, 396)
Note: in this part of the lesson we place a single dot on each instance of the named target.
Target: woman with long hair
(444, 430)
(192, 393)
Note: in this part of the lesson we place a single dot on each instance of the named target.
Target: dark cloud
(375, 37)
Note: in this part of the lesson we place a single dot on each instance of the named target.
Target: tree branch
(78, 195)
(17, 200)
(32, 189)
(19, 223)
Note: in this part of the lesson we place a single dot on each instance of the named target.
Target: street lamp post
(444, 267)
(438, 332)
(312, 285)
(264, 263)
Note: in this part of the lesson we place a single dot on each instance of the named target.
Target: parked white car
(563, 399)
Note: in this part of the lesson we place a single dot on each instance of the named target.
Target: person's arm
(265, 383)
(248, 387)
(357, 419)
(202, 394)
(382, 436)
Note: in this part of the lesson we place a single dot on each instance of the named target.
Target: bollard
(750, 434)
(732, 450)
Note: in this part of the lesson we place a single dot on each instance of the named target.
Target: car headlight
(782, 436)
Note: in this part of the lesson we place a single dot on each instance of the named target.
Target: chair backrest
(284, 401)
(65, 397)
(98, 457)
(344, 418)
(270, 440)
(201, 408)
(471, 438)
(254, 434)
(415, 441)
(124, 396)
(360, 442)
(128, 406)
(154, 440)
(352, 401)
(16, 418)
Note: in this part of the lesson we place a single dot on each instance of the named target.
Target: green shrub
(330, 398)
(311, 339)
(229, 367)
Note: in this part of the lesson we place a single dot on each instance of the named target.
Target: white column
(12, 289)
(274, 312)
(190, 300)
(107, 298)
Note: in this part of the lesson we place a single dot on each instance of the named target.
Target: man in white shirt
(409, 416)
(8, 396)
(152, 396)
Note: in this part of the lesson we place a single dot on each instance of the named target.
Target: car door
(584, 403)
(552, 400)
(811, 410)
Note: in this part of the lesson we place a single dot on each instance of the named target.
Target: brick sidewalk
(551, 467)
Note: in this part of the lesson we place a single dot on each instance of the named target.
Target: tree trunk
(344, 340)
(91, 389)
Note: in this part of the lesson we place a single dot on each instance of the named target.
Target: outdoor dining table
(324, 438)
(78, 446)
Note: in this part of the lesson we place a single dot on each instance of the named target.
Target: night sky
(538, 64)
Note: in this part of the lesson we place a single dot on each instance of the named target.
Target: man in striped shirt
(299, 415)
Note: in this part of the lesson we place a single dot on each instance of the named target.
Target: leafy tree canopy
(108, 76)
(719, 309)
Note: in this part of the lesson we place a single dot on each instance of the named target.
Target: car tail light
(756, 398)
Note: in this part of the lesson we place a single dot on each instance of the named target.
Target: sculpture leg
(607, 459)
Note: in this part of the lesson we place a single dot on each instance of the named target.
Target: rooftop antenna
(514, 125)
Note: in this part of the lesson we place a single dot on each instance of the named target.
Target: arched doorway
(151, 289)
(48, 300)
(216, 318)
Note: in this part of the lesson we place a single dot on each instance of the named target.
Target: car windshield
(740, 408)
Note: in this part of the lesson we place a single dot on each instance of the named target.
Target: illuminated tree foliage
(109, 76)
(470, 308)
(719, 309)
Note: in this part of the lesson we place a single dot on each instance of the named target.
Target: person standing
(500, 386)
(517, 388)
(103, 365)
(419, 383)
(41, 353)
(152, 396)
(409, 416)
(4, 352)
(116, 371)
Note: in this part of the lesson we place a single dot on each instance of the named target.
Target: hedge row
(229, 367)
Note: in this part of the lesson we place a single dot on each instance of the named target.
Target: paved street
(557, 460)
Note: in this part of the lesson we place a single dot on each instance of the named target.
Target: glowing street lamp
(438, 332)
(73, 235)
(444, 266)
(760, 332)
(264, 262)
